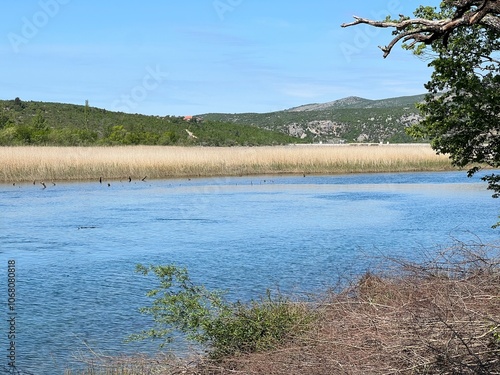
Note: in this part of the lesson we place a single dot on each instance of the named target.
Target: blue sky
(163, 57)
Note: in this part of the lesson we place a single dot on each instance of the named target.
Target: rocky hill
(350, 119)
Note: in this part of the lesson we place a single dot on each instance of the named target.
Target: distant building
(192, 118)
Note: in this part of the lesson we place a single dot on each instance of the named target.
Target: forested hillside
(342, 121)
(40, 123)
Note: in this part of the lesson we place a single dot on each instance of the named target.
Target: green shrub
(258, 326)
(8, 136)
(206, 317)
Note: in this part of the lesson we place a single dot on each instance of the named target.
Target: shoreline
(40, 163)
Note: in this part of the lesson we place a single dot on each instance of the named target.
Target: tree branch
(467, 13)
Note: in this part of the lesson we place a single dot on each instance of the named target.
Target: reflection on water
(76, 244)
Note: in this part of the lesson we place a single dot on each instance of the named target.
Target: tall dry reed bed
(86, 163)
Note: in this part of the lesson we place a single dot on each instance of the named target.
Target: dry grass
(438, 317)
(87, 163)
(161, 364)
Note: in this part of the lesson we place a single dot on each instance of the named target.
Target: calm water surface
(76, 245)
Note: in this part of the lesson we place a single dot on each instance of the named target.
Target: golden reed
(155, 162)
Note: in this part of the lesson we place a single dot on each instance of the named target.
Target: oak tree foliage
(462, 107)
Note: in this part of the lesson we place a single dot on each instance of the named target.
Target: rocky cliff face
(371, 130)
(316, 128)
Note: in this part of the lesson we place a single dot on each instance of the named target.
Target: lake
(76, 245)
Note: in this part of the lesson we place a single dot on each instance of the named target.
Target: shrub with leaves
(258, 325)
(206, 317)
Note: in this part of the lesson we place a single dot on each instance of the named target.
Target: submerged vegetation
(440, 316)
(91, 163)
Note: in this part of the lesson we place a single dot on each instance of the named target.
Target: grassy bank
(440, 316)
(87, 163)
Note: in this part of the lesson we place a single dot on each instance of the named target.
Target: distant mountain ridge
(357, 102)
(340, 103)
(351, 119)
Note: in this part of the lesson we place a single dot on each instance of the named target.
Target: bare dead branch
(421, 30)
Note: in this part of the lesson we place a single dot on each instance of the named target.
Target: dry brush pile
(440, 317)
